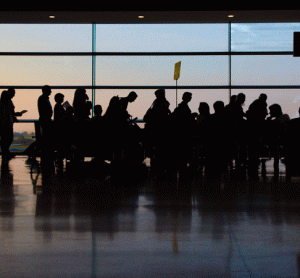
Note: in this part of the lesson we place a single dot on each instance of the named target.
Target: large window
(217, 60)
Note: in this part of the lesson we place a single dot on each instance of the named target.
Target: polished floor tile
(73, 224)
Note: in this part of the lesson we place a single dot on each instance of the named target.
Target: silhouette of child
(59, 111)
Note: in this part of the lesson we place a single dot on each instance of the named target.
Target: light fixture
(231, 15)
(51, 16)
(141, 16)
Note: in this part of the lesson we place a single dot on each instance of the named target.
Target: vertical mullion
(229, 64)
(93, 65)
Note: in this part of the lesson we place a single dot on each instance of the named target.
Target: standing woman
(81, 105)
(82, 108)
(7, 119)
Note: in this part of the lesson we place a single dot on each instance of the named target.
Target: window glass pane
(24, 136)
(42, 70)
(288, 99)
(265, 70)
(46, 37)
(161, 37)
(159, 70)
(146, 97)
(263, 36)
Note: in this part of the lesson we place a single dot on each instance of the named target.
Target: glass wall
(141, 58)
(263, 36)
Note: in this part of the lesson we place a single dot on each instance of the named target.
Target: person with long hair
(81, 104)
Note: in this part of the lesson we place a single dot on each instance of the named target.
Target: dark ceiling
(200, 16)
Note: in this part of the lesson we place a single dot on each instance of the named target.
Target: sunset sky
(150, 70)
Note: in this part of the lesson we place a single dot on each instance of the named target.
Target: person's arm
(19, 114)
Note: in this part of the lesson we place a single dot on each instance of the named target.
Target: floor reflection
(146, 225)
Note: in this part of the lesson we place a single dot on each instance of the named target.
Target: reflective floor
(75, 224)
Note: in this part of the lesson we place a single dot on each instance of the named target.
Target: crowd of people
(174, 138)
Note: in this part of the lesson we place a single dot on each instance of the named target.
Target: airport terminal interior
(93, 220)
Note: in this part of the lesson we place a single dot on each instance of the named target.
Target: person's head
(80, 95)
(5, 96)
(160, 93)
(113, 106)
(218, 106)
(46, 90)
(11, 92)
(275, 110)
(187, 96)
(132, 96)
(232, 99)
(204, 108)
(98, 110)
(240, 98)
(263, 97)
(59, 98)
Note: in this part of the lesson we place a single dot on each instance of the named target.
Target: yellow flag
(177, 70)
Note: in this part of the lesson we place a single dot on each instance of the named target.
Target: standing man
(45, 122)
(124, 104)
(180, 135)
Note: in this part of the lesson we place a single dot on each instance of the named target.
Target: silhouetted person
(218, 116)
(292, 146)
(69, 128)
(12, 94)
(81, 105)
(124, 105)
(258, 109)
(277, 121)
(59, 113)
(129, 130)
(276, 127)
(97, 115)
(204, 113)
(182, 123)
(201, 130)
(7, 119)
(229, 109)
(217, 140)
(59, 110)
(156, 120)
(46, 125)
(230, 124)
(112, 134)
(157, 114)
(256, 115)
(239, 130)
(277, 115)
(238, 111)
(97, 133)
(45, 107)
(69, 116)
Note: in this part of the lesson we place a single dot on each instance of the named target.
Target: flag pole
(176, 92)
